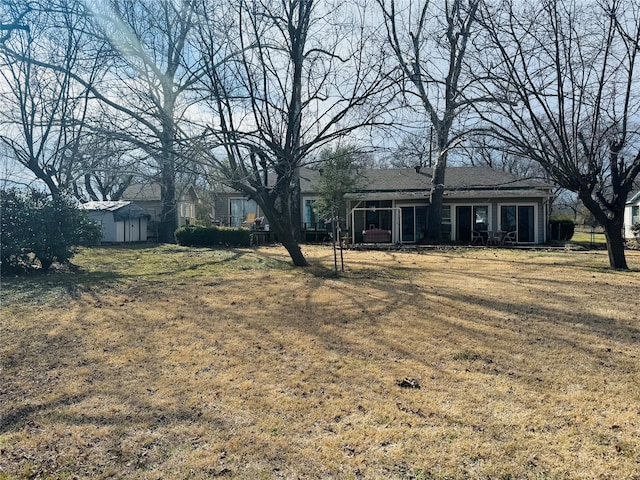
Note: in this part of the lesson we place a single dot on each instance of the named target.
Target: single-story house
(392, 206)
(121, 221)
(147, 195)
(631, 213)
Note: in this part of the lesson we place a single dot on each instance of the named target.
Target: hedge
(196, 236)
(562, 229)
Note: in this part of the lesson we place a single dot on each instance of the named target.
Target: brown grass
(169, 363)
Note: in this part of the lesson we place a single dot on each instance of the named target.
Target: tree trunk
(276, 207)
(612, 229)
(293, 247)
(615, 244)
(434, 229)
(285, 234)
(168, 217)
(295, 207)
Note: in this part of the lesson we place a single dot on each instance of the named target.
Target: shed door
(120, 230)
(134, 230)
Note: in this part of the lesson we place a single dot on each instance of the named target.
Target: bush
(35, 226)
(195, 236)
(562, 228)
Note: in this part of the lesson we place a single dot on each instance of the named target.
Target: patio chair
(510, 238)
(477, 238)
(249, 220)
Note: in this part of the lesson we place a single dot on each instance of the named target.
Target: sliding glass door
(521, 219)
(470, 219)
(414, 223)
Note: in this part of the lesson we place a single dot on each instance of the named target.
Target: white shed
(631, 214)
(122, 221)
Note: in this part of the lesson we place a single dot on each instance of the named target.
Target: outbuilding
(632, 214)
(122, 221)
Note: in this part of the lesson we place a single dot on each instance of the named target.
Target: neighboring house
(392, 206)
(631, 213)
(121, 221)
(147, 195)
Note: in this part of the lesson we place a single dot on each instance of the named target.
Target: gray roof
(407, 183)
(152, 191)
(142, 191)
(459, 182)
(121, 210)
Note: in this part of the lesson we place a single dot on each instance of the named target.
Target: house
(148, 196)
(631, 213)
(392, 206)
(121, 221)
(477, 201)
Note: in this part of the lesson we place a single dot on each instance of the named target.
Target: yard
(176, 363)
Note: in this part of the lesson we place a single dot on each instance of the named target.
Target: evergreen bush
(562, 228)
(197, 236)
(35, 226)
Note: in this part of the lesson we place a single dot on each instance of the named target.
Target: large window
(519, 219)
(311, 220)
(635, 214)
(242, 210)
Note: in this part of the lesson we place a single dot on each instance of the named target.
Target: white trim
(628, 219)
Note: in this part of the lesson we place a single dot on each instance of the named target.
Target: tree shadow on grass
(384, 290)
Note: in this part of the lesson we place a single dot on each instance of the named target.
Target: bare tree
(413, 149)
(570, 69)
(430, 41)
(45, 113)
(300, 80)
(485, 150)
(151, 85)
(12, 18)
(108, 167)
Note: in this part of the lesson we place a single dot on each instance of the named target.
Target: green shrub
(562, 228)
(196, 236)
(36, 226)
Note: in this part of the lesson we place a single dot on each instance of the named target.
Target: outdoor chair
(249, 220)
(477, 238)
(510, 238)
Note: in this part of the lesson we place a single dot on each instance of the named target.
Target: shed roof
(121, 209)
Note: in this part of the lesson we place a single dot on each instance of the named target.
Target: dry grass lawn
(175, 363)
